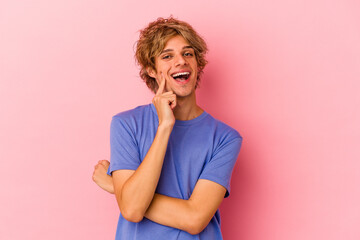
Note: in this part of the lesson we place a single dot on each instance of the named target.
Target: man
(171, 162)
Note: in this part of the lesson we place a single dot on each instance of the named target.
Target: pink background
(284, 73)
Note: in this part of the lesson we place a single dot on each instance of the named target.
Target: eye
(188, 54)
(166, 57)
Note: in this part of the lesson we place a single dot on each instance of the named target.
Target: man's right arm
(134, 190)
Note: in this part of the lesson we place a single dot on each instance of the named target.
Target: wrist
(166, 126)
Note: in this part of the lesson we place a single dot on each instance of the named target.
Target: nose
(180, 60)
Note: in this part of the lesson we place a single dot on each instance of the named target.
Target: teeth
(179, 74)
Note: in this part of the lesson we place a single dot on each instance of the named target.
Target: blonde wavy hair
(153, 39)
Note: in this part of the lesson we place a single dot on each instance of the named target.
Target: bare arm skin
(134, 190)
(191, 215)
(101, 178)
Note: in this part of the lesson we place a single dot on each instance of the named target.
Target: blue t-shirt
(200, 148)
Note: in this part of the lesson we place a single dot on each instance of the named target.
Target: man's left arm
(191, 215)
(194, 214)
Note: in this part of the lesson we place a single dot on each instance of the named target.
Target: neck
(186, 108)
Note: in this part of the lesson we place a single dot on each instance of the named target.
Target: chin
(181, 94)
(184, 91)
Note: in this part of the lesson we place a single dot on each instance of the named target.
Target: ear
(151, 72)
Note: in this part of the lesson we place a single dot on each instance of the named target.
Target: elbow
(195, 229)
(129, 212)
(131, 215)
(196, 225)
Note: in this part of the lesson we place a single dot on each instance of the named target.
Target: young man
(171, 162)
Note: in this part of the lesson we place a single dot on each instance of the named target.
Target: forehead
(176, 42)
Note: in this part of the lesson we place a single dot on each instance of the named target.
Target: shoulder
(133, 113)
(223, 130)
(133, 118)
(226, 139)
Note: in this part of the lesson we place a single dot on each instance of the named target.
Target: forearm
(172, 212)
(138, 191)
(177, 213)
(191, 215)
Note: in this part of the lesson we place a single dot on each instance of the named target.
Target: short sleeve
(220, 166)
(124, 153)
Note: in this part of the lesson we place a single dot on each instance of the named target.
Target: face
(177, 62)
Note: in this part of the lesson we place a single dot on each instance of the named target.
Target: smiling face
(177, 62)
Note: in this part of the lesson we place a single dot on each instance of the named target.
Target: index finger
(161, 86)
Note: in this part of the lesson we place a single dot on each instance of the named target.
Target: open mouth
(181, 77)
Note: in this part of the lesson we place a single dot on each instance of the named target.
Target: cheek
(166, 70)
(164, 67)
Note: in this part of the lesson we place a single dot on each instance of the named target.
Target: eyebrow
(170, 50)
